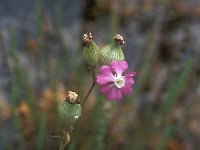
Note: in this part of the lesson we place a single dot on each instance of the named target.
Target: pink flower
(112, 82)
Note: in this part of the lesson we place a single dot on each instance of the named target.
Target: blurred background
(41, 59)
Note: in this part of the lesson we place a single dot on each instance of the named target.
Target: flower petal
(128, 83)
(106, 88)
(105, 76)
(129, 79)
(106, 70)
(114, 94)
(126, 90)
(119, 66)
(102, 79)
(131, 74)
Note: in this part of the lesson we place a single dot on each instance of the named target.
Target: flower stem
(65, 139)
(90, 90)
(61, 147)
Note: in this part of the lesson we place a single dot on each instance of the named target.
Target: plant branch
(90, 90)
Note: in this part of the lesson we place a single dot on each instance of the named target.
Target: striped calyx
(112, 51)
(69, 113)
(91, 51)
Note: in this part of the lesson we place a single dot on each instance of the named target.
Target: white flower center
(119, 81)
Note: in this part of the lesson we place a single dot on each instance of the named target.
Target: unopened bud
(91, 52)
(70, 110)
(112, 51)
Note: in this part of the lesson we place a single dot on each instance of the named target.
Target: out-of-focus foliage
(41, 59)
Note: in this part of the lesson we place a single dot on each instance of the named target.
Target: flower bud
(70, 110)
(112, 51)
(91, 50)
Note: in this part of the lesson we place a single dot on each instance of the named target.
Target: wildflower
(112, 82)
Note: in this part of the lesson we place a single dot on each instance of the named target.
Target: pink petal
(106, 88)
(129, 79)
(114, 94)
(119, 66)
(105, 76)
(102, 79)
(128, 83)
(126, 90)
(131, 74)
(106, 70)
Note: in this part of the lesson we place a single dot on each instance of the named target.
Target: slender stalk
(88, 94)
(62, 144)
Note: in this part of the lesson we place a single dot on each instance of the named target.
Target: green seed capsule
(91, 51)
(69, 112)
(112, 51)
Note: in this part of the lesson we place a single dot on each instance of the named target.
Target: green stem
(88, 94)
(62, 143)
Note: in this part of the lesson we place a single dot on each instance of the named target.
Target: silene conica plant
(107, 66)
